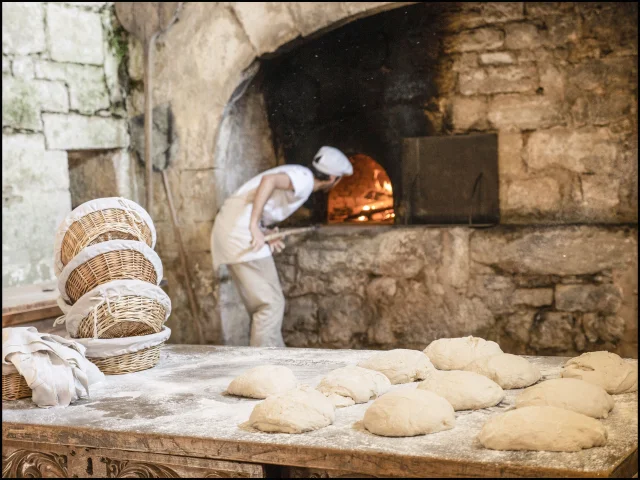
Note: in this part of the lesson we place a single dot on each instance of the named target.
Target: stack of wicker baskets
(108, 277)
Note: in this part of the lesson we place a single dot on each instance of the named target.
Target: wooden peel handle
(290, 231)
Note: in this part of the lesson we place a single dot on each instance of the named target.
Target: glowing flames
(365, 196)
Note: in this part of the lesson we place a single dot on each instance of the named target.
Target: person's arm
(268, 184)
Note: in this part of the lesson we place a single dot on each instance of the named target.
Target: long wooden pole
(148, 119)
(183, 259)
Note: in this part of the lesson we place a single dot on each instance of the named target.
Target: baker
(238, 236)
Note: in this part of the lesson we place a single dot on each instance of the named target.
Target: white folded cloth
(55, 368)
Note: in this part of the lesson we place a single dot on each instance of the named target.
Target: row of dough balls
(472, 373)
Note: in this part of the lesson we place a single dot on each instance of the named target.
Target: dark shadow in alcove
(361, 88)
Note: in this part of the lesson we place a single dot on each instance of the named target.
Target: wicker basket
(113, 265)
(129, 316)
(14, 387)
(129, 362)
(102, 226)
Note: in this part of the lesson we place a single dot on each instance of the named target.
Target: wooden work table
(175, 420)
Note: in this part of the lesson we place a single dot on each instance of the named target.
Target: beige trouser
(259, 287)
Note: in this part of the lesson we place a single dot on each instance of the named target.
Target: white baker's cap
(332, 161)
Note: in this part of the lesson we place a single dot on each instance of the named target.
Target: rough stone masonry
(61, 94)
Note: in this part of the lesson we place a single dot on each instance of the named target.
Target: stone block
(494, 291)
(497, 58)
(534, 196)
(136, 59)
(78, 132)
(27, 166)
(587, 150)
(87, 87)
(475, 40)
(337, 312)
(608, 328)
(528, 112)
(499, 80)
(595, 109)
(312, 260)
(29, 223)
(454, 270)
(463, 62)
(6, 65)
(53, 96)
(381, 288)
(203, 30)
(553, 331)
(312, 16)
(342, 281)
(398, 255)
(267, 24)
(600, 192)
(534, 297)
(23, 28)
(20, 104)
(510, 163)
(520, 36)
(469, 113)
(74, 35)
(518, 326)
(91, 5)
(555, 251)
(562, 29)
(541, 9)
(23, 67)
(478, 14)
(605, 298)
(369, 8)
(552, 82)
(301, 315)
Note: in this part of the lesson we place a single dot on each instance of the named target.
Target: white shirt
(231, 238)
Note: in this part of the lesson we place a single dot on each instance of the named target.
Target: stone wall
(544, 290)
(558, 82)
(61, 94)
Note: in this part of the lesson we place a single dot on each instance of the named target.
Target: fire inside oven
(365, 196)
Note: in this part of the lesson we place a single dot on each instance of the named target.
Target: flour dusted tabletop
(178, 410)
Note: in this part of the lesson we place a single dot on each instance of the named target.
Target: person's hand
(276, 245)
(257, 238)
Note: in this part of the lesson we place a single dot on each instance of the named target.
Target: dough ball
(400, 365)
(570, 394)
(296, 411)
(508, 371)
(605, 369)
(407, 412)
(464, 390)
(542, 428)
(260, 382)
(457, 353)
(355, 383)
